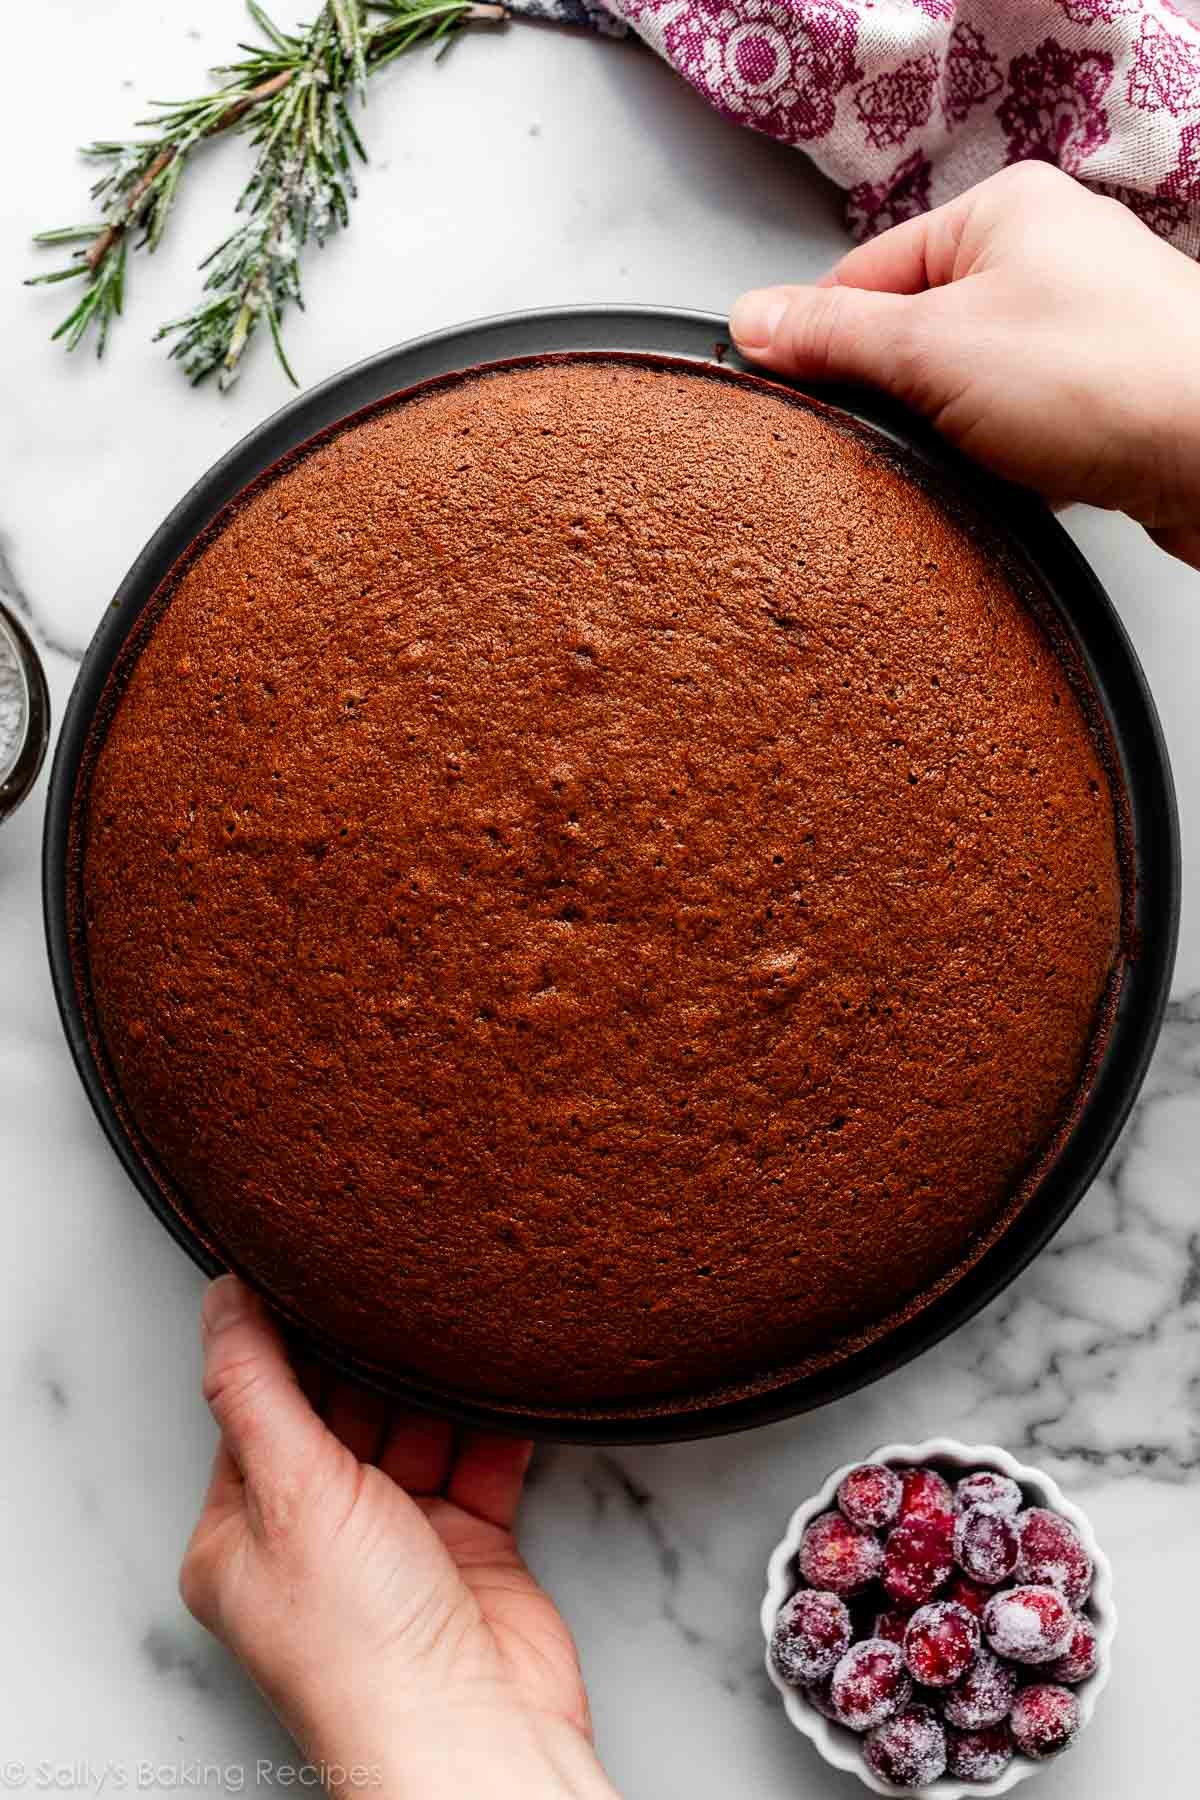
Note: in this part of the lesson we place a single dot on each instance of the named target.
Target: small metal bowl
(19, 768)
(1081, 613)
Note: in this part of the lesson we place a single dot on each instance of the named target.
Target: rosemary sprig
(291, 97)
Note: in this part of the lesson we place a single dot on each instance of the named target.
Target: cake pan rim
(697, 338)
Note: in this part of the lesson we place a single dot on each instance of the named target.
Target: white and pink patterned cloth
(904, 103)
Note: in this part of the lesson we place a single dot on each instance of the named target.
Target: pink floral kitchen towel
(905, 103)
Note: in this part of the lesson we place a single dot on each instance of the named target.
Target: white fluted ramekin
(842, 1749)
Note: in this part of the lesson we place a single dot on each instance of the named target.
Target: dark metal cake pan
(1081, 612)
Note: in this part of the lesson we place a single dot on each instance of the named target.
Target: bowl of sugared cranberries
(939, 1620)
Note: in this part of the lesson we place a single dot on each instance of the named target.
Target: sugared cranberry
(987, 1488)
(870, 1496)
(986, 1544)
(978, 1755)
(869, 1684)
(968, 1593)
(941, 1643)
(1029, 1624)
(811, 1634)
(909, 1750)
(838, 1557)
(984, 1696)
(892, 1624)
(1044, 1720)
(1081, 1657)
(1052, 1554)
(819, 1696)
(926, 1496)
(917, 1558)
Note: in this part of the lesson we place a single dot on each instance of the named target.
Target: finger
(826, 333)
(953, 239)
(488, 1475)
(357, 1417)
(225, 1485)
(920, 253)
(268, 1426)
(313, 1376)
(417, 1452)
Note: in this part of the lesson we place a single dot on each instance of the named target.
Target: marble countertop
(532, 168)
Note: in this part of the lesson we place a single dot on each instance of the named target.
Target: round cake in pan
(598, 888)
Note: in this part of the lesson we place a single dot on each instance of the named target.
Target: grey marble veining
(16, 598)
(616, 183)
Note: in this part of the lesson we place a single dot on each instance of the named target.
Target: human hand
(364, 1570)
(1042, 329)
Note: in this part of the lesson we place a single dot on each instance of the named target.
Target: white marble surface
(532, 168)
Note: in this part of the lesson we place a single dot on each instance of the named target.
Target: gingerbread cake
(597, 887)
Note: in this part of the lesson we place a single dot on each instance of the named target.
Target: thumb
(267, 1425)
(829, 333)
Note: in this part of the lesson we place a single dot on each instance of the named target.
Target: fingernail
(755, 318)
(224, 1304)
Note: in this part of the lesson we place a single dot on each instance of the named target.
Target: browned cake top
(596, 888)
